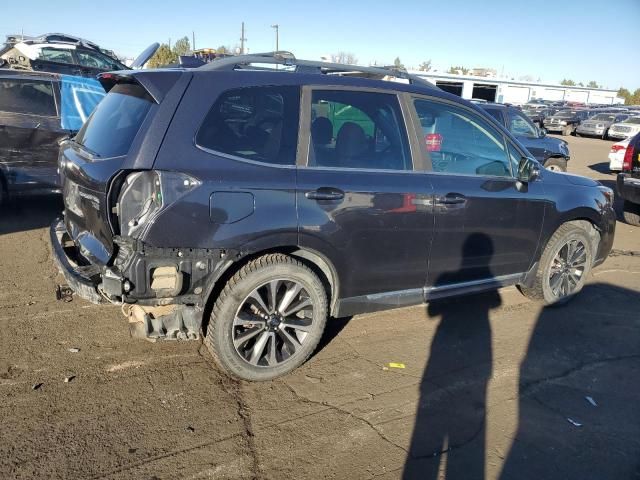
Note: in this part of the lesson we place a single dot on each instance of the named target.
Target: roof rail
(239, 62)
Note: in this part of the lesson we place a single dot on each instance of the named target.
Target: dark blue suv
(551, 152)
(250, 204)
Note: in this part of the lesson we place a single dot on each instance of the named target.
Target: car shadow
(29, 213)
(601, 167)
(578, 389)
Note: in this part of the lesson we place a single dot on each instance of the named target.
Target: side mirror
(541, 132)
(528, 170)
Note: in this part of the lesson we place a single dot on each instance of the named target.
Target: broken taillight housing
(617, 148)
(145, 194)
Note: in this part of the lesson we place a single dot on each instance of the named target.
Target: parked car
(551, 152)
(564, 121)
(627, 128)
(37, 110)
(616, 155)
(628, 184)
(598, 125)
(537, 116)
(278, 199)
(63, 54)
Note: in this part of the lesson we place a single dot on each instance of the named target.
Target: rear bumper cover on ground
(78, 280)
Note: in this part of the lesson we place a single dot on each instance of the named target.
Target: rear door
(487, 225)
(29, 132)
(360, 202)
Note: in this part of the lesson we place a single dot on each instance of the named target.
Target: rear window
(27, 96)
(111, 128)
(255, 123)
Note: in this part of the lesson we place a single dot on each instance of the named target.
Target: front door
(487, 225)
(359, 201)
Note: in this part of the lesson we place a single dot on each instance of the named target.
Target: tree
(635, 98)
(182, 46)
(458, 70)
(398, 64)
(425, 66)
(346, 58)
(593, 84)
(626, 94)
(581, 84)
(164, 56)
(568, 82)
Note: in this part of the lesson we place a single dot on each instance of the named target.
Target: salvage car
(616, 155)
(598, 125)
(38, 110)
(625, 129)
(564, 121)
(63, 54)
(551, 152)
(628, 182)
(250, 204)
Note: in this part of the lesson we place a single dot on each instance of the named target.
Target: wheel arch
(316, 261)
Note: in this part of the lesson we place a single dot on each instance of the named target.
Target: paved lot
(494, 386)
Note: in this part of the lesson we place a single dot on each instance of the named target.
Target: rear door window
(254, 123)
(57, 55)
(495, 113)
(96, 60)
(461, 142)
(30, 97)
(364, 130)
(519, 125)
(114, 123)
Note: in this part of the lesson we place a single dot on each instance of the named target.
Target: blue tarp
(79, 96)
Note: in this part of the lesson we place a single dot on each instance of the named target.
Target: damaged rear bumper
(82, 279)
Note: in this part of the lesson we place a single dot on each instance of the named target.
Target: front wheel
(564, 265)
(556, 164)
(268, 319)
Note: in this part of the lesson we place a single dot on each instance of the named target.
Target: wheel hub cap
(567, 268)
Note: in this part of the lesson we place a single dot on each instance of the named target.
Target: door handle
(325, 193)
(451, 199)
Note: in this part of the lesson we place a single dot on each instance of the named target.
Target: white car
(629, 128)
(616, 155)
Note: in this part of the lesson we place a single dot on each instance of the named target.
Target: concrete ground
(494, 386)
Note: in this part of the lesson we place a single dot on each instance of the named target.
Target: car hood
(561, 177)
(551, 144)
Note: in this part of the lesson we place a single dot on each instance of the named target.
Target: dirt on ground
(492, 386)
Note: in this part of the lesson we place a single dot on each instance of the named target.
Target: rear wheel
(631, 213)
(268, 319)
(556, 164)
(564, 265)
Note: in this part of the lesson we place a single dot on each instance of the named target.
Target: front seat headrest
(351, 141)
(321, 131)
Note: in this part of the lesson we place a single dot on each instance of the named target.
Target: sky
(581, 40)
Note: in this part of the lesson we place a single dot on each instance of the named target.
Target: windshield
(566, 114)
(633, 120)
(603, 117)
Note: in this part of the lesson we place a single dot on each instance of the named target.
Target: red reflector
(617, 148)
(433, 141)
(628, 155)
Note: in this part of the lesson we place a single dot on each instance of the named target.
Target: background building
(503, 90)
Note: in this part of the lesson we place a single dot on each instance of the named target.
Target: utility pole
(277, 28)
(242, 40)
(193, 38)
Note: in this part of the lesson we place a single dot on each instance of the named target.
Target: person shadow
(452, 407)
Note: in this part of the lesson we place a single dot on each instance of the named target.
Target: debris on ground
(574, 423)
(395, 365)
(591, 401)
(69, 378)
(74, 350)
(36, 386)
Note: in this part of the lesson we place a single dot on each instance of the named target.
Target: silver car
(598, 125)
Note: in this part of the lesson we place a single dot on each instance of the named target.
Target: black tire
(237, 303)
(631, 213)
(556, 164)
(579, 232)
(605, 135)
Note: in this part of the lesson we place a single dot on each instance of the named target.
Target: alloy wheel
(567, 268)
(272, 323)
